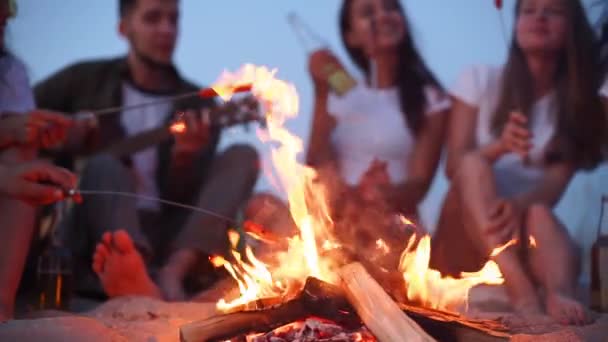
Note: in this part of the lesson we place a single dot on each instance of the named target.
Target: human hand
(37, 183)
(38, 128)
(506, 220)
(374, 183)
(193, 135)
(515, 136)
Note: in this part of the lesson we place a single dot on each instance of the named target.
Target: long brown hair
(581, 124)
(413, 74)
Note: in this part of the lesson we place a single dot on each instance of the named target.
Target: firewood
(317, 298)
(376, 309)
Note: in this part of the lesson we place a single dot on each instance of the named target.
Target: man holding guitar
(133, 151)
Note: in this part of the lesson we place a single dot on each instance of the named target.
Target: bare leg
(555, 264)
(477, 196)
(16, 229)
(16, 233)
(450, 228)
(121, 268)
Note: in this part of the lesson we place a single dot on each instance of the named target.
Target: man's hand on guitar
(37, 183)
(195, 135)
(39, 128)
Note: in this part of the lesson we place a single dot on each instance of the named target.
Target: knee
(243, 157)
(471, 167)
(538, 214)
(263, 204)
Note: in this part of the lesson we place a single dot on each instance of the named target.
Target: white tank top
(371, 125)
(479, 87)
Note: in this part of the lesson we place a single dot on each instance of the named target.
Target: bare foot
(527, 306)
(121, 268)
(566, 310)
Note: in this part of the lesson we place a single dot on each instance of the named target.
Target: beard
(151, 62)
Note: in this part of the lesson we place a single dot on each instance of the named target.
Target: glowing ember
(512, 242)
(404, 220)
(382, 246)
(313, 329)
(217, 261)
(178, 127)
(429, 288)
(306, 199)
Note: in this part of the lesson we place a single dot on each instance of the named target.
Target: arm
(423, 163)
(190, 156)
(36, 182)
(550, 189)
(59, 93)
(461, 135)
(320, 152)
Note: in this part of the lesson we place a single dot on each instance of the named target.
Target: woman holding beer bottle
(381, 136)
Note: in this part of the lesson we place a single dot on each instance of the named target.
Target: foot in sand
(528, 307)
(121, 268)
(566, 310)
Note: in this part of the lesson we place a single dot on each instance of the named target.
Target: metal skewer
(74, 192)
(204, 93)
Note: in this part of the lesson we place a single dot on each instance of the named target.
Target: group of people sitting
(514, 137)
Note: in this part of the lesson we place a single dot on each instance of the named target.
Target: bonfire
(308, 254)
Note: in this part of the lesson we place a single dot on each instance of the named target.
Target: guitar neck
(227, 115)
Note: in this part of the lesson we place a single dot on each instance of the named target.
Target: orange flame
(430, 288)
(532, 242)
(306, 198)
(500, 249)
(178, 127)
(382, 246)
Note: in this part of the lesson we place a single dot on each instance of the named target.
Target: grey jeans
(225, 189)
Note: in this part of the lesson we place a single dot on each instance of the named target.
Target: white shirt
(15, 91)
(371, 125)
(479, 87)
(604, 89)
(145, 162)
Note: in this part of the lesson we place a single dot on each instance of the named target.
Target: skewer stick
(205, 93)
(76, 193)
(253, 229)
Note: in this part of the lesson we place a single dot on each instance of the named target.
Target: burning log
(377, 310)
(317, 298)
(327, 301)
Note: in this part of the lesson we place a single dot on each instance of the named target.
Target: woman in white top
(384, 136)
(516, 136)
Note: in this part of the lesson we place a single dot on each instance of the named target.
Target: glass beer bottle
(54, 273)
(599, 263)
(54, 279)
(323, 64)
